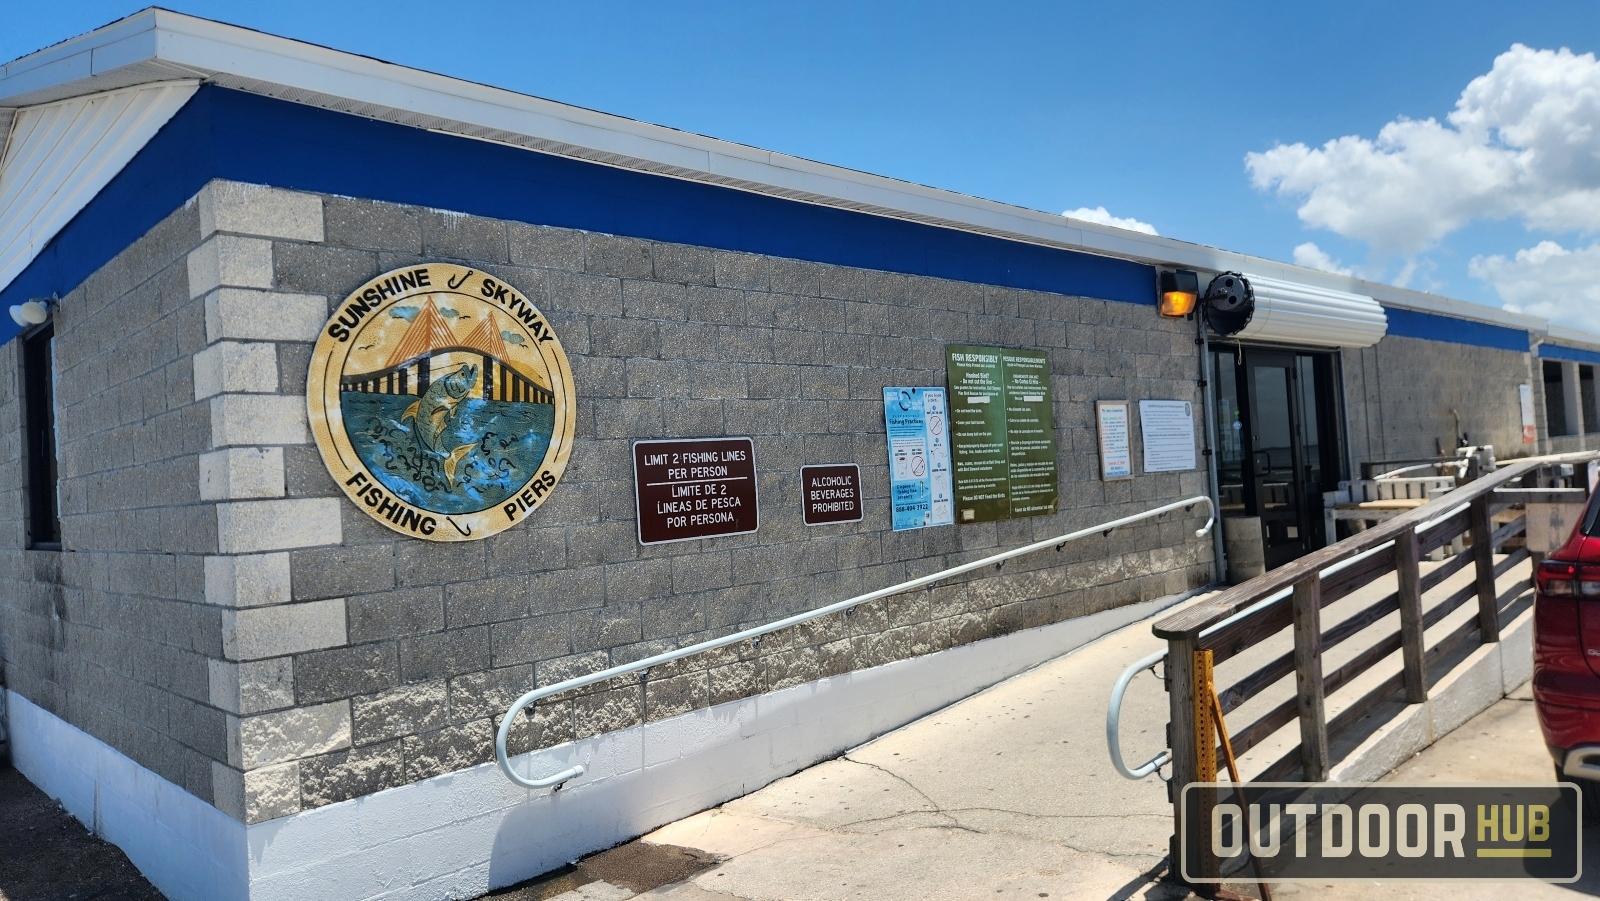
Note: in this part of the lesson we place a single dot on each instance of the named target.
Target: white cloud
(1313, 257)
(1523, 141)
(1547, 280)
(1100, 216)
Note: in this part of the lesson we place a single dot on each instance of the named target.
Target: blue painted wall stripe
(249, 138)
(1569, 354)
(1435, 327)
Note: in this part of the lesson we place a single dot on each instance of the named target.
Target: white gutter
(1560, 334)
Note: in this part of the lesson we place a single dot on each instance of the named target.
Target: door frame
(1333, 459)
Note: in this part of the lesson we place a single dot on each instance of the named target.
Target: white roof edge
(1560, 334)
(259, 61)
(73, 49)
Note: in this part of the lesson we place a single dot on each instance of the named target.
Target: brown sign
(694, 488)
(833, 493)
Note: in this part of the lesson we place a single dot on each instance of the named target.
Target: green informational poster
(1002, 432)
(978, 432)
(1030, 432)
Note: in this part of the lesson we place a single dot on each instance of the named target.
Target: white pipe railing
(556, 780)
(1114, 722)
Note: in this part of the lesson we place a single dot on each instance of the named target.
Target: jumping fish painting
(431, 414)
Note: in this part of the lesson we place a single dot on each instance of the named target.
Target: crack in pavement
(1061, 816)
(952, 814)
(1146, 855)
(711, 891)
(899, 778)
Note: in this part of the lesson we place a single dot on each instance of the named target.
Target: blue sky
(1148, 110)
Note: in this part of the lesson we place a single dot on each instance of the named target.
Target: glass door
(1275, 454)
(1277, 443)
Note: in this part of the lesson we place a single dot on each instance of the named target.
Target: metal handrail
(1114, 722)
(573, 772)
(1114, 709)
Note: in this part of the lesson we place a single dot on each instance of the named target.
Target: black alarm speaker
(1229, 304)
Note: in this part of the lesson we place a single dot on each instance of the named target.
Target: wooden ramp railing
(1294, 596)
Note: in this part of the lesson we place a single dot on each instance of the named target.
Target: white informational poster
(1530, 431)
(919, 458)
(1167, 427)
(1116, 453)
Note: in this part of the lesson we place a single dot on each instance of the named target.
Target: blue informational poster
(919, 457)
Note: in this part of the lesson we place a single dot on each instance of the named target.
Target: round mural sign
(442, 402)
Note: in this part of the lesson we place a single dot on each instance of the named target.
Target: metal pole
(1219, 558)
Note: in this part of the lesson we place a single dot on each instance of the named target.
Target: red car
(1566, 657)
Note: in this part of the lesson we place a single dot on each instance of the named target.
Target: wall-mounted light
(1180, 289)
(34, 312)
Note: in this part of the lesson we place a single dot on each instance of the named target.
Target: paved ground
(822, 835)
(1008, 794)
(1502, 744)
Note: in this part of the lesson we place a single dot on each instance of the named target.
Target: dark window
(1555, 400)
(1591, 416)
(39, 435)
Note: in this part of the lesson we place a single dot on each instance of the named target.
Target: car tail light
(1557, 578)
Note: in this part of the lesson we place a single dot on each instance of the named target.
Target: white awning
(1303, 314)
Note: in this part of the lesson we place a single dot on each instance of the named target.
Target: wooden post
(1308, 677)
(1406, 558)
(1185, 757)
(1483, 556)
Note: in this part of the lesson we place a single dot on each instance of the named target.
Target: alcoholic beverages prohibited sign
(832, 493)
(694, 488)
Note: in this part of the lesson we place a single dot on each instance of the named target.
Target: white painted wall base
(461, 834)
(190, 850)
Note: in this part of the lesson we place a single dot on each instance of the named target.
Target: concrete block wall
(113, 633)
(317, 656)
(170, 418)
(1567, 444)
(677, 341)
(1399, 394)
(14, 618)
(251, 377)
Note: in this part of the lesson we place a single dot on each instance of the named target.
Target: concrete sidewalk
(1009, 793)
(1501, 744)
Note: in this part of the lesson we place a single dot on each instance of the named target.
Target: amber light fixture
(1180, 290)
